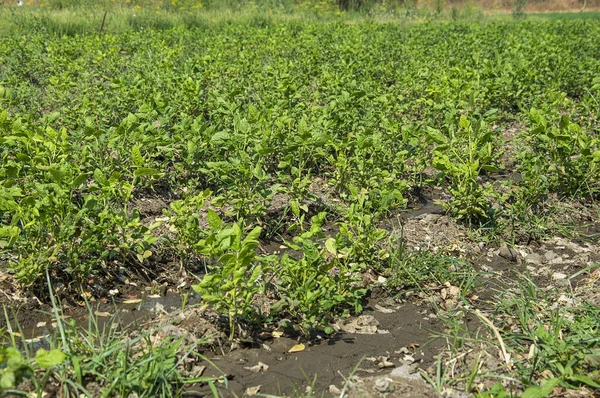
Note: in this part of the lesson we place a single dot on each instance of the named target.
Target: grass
(529, 340)
(80, 20)
(102, 360)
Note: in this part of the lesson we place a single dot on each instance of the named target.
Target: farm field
(298, 207)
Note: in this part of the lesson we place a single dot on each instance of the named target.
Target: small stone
(533, 258)
(556, 261)
(544, 271)
(557, 276)
(508, 253)
(407, 372)
(431, 219)
(158, 308)
(382, 384)
(487, 268)
(550, 255)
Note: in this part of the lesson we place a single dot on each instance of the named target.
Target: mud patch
(401, 336)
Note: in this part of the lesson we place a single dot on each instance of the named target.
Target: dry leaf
(276, 334)
(132, 301)
(385, 364)
(531, 353)
(40, 324)
(297, 348)
(250, 391)
(102, 313)
(198, 370)
(383, 309)
(261, 367)
(408, 358)
(154, 296)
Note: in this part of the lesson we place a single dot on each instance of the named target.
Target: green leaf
(295, 208)
(436, 136)
(442, 163)
(47, 359)
(147, 172)
(585, 380)
(80, 179)
(331, 246)
(542, 391)
(219, 137)
(9, 232)
(100, 178)
(214, 221)
(136, 156)
(252, 237)
(256, 273)
(8, 380)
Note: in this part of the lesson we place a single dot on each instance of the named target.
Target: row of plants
(252, 115)
(309, 135)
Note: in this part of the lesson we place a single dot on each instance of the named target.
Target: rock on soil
(508, 253)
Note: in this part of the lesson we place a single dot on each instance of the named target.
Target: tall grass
(77, 17)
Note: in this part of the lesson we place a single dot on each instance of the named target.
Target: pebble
(508, 253)
(487, 268)
(556, 261)
(558, 276)
(550, 255)
(533, 258)
(382, 384)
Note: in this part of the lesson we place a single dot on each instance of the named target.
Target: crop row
(240, 129)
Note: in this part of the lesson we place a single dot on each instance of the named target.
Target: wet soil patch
(329, 361)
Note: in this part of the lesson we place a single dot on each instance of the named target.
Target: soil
(331, 361)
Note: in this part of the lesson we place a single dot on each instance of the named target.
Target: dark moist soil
(330, 361)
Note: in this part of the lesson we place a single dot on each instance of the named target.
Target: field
(291, 207)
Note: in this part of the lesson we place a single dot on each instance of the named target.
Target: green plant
(463, 155)
(230, 286)
(184, 217)
(14, 368)
(565, 158)
(316, 287)
(359, 239)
